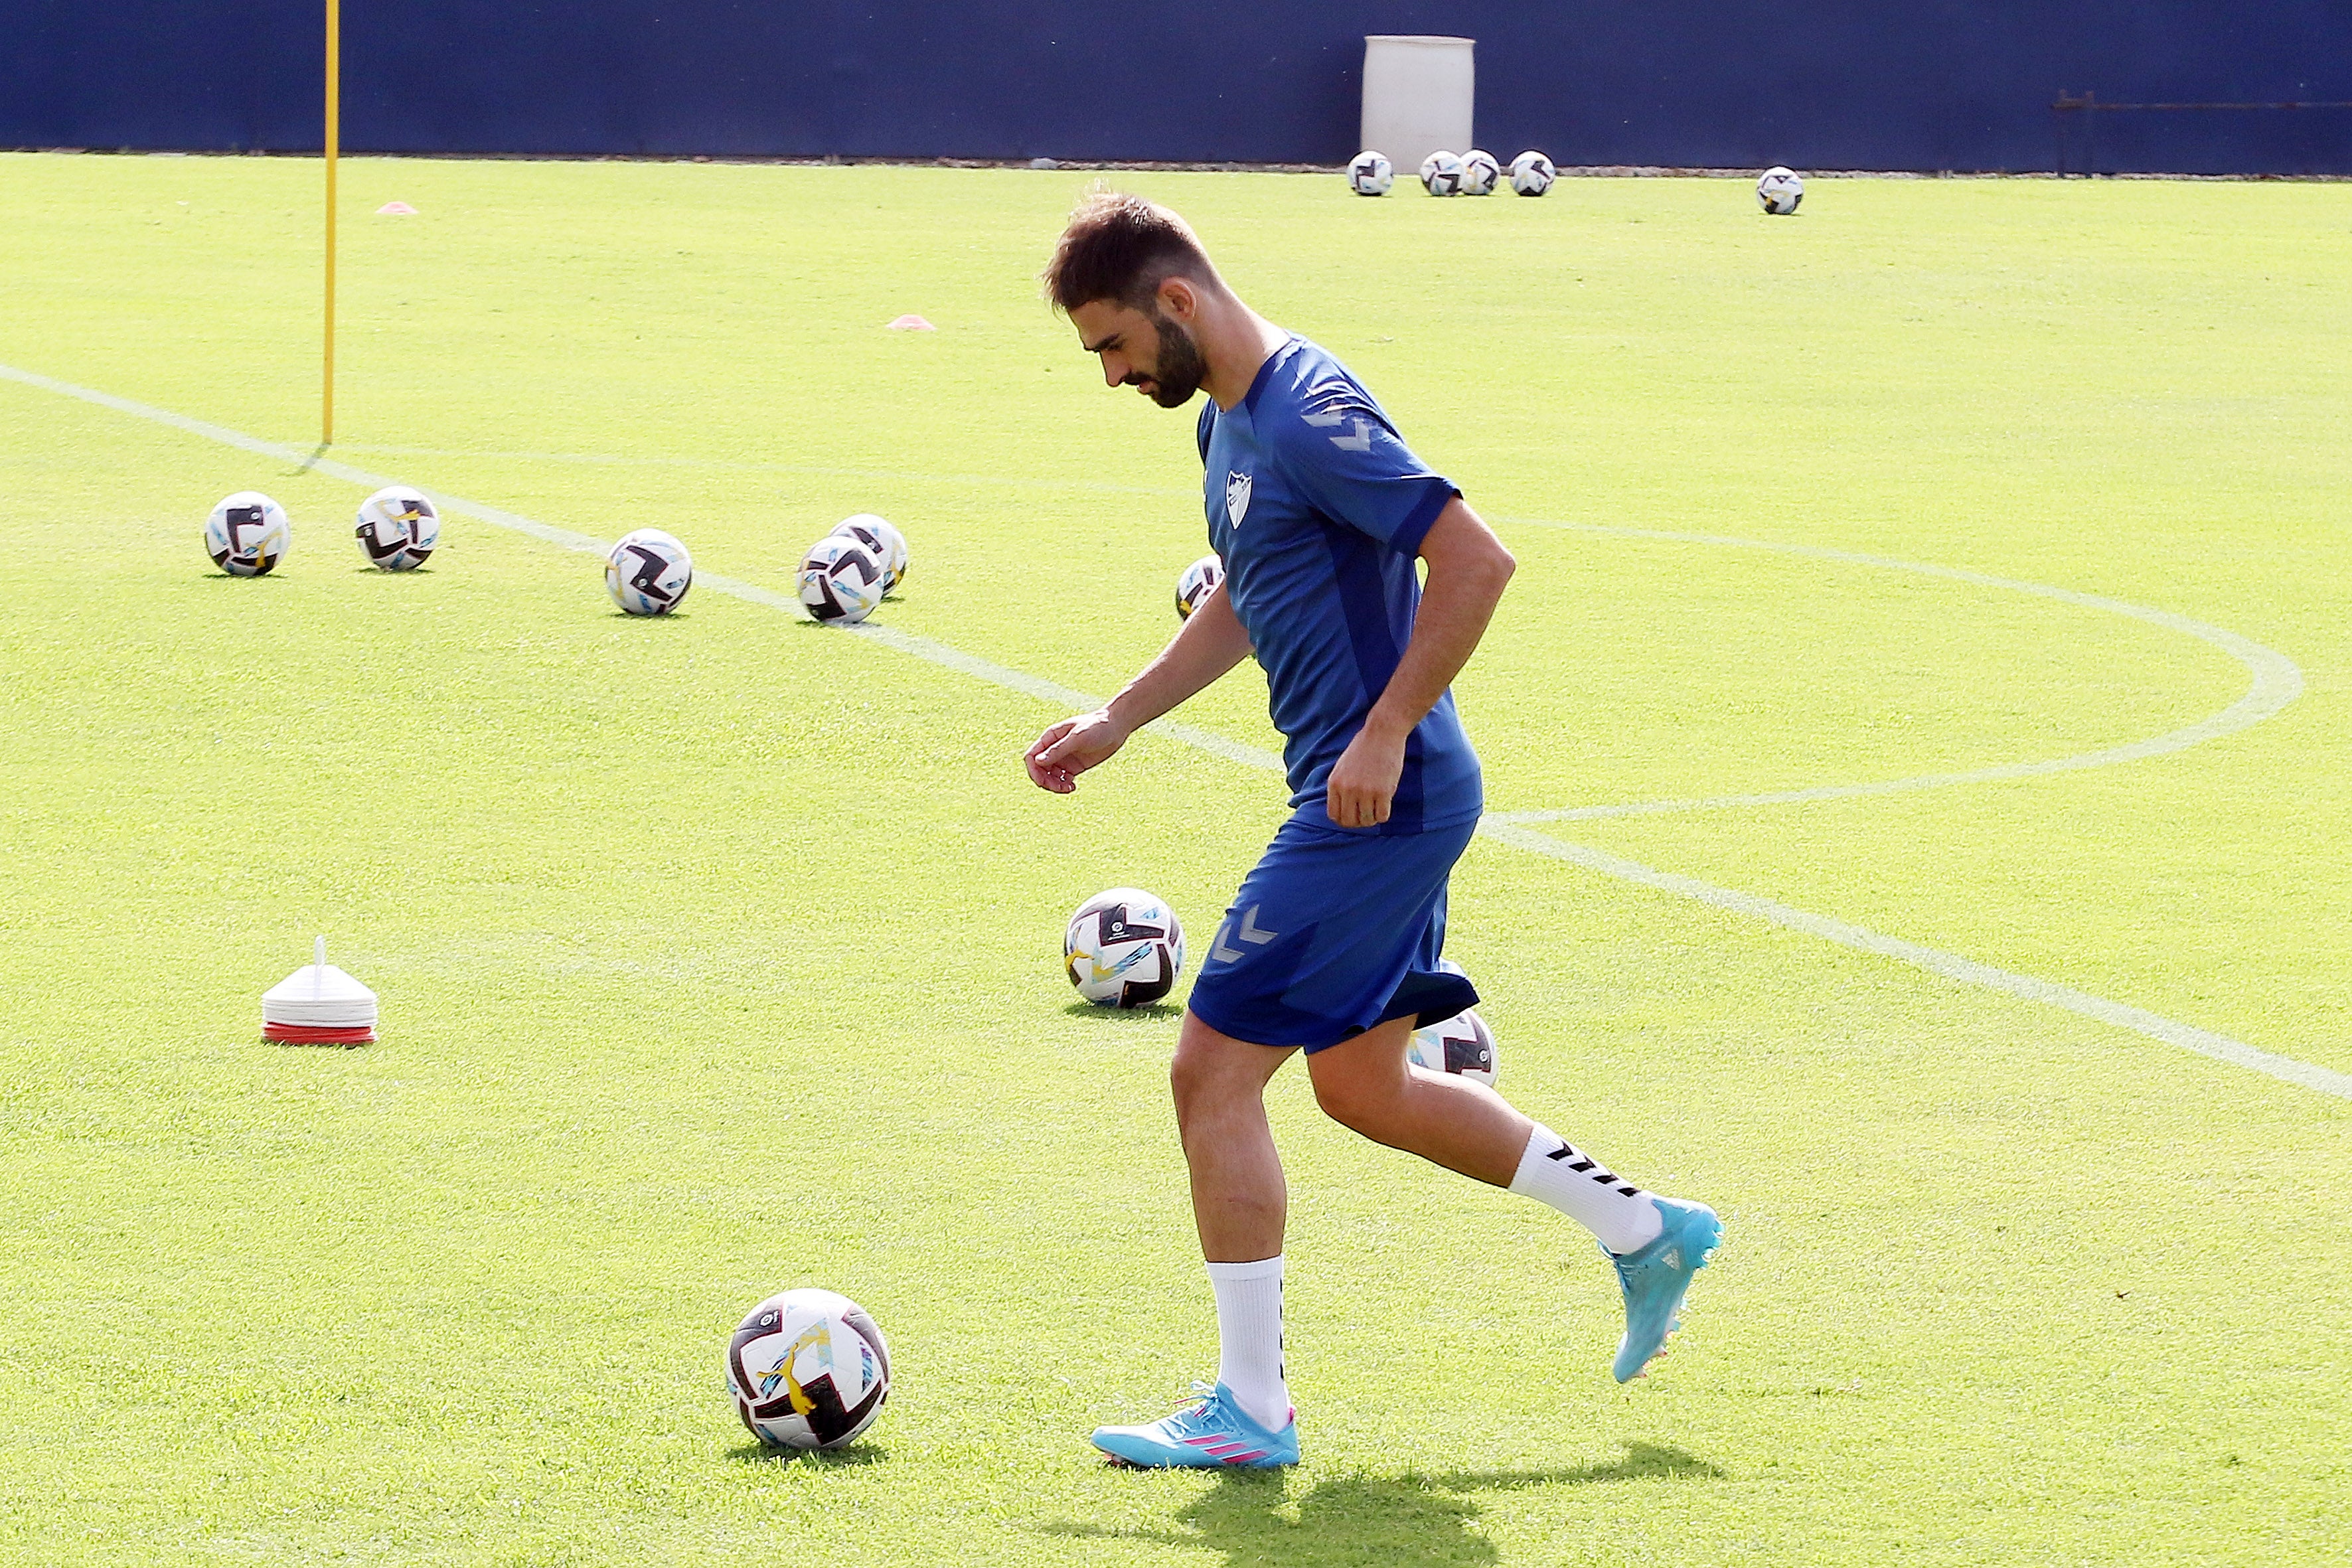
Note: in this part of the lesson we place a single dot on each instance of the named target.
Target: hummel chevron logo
(1249, 932)
(1362, 441)
(1324, 421)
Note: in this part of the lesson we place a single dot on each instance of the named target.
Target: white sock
(1553, 1171)
(1249, 1338)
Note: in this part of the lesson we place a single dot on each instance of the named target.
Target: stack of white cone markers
(318, 1006)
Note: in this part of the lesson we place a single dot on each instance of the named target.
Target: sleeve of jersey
(1344, 459)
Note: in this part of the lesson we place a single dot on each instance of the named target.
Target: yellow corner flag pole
(335, 147)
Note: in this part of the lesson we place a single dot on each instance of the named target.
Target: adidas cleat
(1656, 1277)
(1211, 1432)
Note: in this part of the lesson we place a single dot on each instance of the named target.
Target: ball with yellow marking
(1124, 948)
(808, 1369)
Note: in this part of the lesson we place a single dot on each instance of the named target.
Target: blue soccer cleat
(1656, 1277)
(1213, 1432)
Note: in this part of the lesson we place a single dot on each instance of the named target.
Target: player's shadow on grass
(1248, 1515)
(1150, 1013)
(851, 1457)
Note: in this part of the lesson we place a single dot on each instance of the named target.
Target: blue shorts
(1335, 931)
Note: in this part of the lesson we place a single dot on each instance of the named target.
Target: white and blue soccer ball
(648, 571)
(247, 534)
(841, 580)
(882, 540)
(1441, 173)
(1462, 1044)
(398, 529)
(808, 1369)
(1779, 191)
(1124, 948)
(1532, 173)
(1479, 172)
(1370, 173)
(1196, 582)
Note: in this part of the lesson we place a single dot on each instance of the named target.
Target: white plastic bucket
(1418, 93)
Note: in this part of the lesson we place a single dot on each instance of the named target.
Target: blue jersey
(1318, 508)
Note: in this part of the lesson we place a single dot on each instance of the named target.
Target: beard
(1177, 375)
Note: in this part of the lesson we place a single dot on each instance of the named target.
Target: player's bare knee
(1362, 1104)
(1201, 1081)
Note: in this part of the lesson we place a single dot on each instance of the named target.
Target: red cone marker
(318, 1006)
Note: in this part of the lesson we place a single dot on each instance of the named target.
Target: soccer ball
(841, 580)
(1462, 1044)
(1371, 175)
(398, 529)
(1441, 173)
(648, 571)
(808, 1370)
(1779, 191)
(1199, 580)
(1123, 948)
(1479, 174)
(886, 543)
(247, 534)
(1532, 173)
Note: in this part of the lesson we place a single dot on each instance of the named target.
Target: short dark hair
(1120, 247)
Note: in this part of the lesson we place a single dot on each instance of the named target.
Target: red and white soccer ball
(398, 529)
(1198, 582)
(1532, 173)
(841, 580)
(1441, 173)
(1370, 173)
(1479, 172)
(1462, 1044)
(808, 1369)
(648, 571)
(1124, 948)
(882, 540)
(247, 536)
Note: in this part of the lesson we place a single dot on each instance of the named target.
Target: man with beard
(1333, 946)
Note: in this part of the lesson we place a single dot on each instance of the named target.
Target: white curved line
(2138, 1020)
(2276, 682)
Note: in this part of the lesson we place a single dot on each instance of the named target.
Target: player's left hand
(1070, 748)
(1362, 784)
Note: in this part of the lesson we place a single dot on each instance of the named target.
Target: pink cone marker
(911, 323)
(395, 209)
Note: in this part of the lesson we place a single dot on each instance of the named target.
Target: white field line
(1950, 966)
(2276, 682)
(719, 465)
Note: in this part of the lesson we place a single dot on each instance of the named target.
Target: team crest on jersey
(1237, 494)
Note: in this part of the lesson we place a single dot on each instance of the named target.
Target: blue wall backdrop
(1929, 85)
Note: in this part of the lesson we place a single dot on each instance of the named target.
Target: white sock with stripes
(1249, 1338)
(1554, 1172)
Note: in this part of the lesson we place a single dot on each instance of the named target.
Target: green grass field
(716, 953)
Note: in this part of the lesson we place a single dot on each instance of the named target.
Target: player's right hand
(1070, 748)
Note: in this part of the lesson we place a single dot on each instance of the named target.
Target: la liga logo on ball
(398, 529)
(247, 536)
(1124, 948)
(648, 573)
(808, 1369)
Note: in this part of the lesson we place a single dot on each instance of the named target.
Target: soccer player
(1319, 512)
